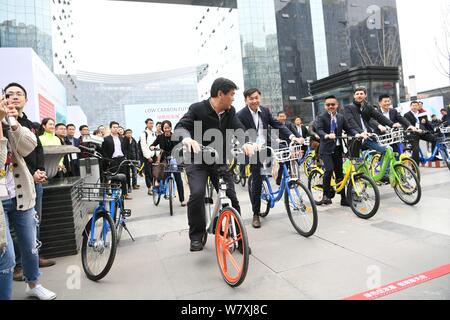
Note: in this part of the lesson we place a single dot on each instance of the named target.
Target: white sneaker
(40, 292)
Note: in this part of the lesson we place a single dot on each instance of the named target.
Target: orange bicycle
(226, 224)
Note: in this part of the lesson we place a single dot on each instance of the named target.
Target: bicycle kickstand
(129, 233)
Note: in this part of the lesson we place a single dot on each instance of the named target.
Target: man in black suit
(282, 118)
(113, 147)
(330, 125)
(256, 117)
(213, 115)
(71, 140)
(416, 119)
(363, 118)
(386, 109)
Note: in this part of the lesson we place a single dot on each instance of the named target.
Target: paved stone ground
(340, 260)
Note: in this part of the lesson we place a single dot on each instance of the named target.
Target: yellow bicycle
(363, 195)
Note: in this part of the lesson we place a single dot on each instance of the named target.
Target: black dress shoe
(325, 201)
(344, 203)
(196, 246)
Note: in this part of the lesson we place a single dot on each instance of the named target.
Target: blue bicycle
(103, 232)
(299, 202)
(167, 186)
(442, 146)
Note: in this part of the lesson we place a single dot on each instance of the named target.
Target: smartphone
(10, 120)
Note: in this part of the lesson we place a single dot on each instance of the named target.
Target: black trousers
(124, 170)
(198, 177)
(148, 173)
(256, 188)
(332, 164)
(415, 142)
(180, 186)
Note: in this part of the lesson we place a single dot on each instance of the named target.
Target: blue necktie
(333, 126)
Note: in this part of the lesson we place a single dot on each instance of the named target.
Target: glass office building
(104, 97)
(27, 24)
(287, 45)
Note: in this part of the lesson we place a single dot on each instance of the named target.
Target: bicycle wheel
(445, 157)
(315, 185)
(265, 202)
(243, 181)
(118, 222)
(232, 249)
(98, 255)
(209, 201)
(301, 208)
(375, 164)
(309, 163)
(236, 174)
(408, 189)
(412, 165)
(265, 199)
(170, 191)
(363, 197)
(156, 194)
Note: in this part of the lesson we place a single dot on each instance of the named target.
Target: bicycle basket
(97, 192)
(391, 138)
(354, 148)
(445, 130)
(288, 154)
(172, 166)
(446, 142)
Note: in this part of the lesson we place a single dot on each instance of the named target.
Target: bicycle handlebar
(97, 155)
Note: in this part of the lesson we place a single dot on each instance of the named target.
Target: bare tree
(385, 52)
(443, 47)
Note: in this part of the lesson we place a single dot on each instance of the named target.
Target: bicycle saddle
(117, 178)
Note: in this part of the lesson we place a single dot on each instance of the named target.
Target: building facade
(46, 26)
(288, 44)
(105, 97)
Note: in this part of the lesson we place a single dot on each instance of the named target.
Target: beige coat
(22, 142)
(3, 152)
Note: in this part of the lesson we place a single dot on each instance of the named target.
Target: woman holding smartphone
(18, 196)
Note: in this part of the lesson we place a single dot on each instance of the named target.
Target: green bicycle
(401, 177)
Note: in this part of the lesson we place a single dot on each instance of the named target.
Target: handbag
(158, 171)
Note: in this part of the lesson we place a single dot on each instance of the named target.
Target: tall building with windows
(319, 38)
(46, 26)
(287, 44)
(27, 24)
(106, 97)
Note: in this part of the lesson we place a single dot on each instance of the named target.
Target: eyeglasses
(18, 94)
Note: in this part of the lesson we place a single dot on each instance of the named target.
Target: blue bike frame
(439, 147)
(164, 185)
(275, 196)
(101, 207)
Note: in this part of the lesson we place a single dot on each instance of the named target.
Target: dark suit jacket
(396, 117)
(323, 128)
(267, 118)
(203, 112)
(108, 147)
(412, 119)
(305, 132)
(369, 115)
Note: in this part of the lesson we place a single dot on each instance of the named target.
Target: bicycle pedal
(127, 213)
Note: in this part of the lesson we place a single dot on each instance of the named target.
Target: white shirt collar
(259, 110)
